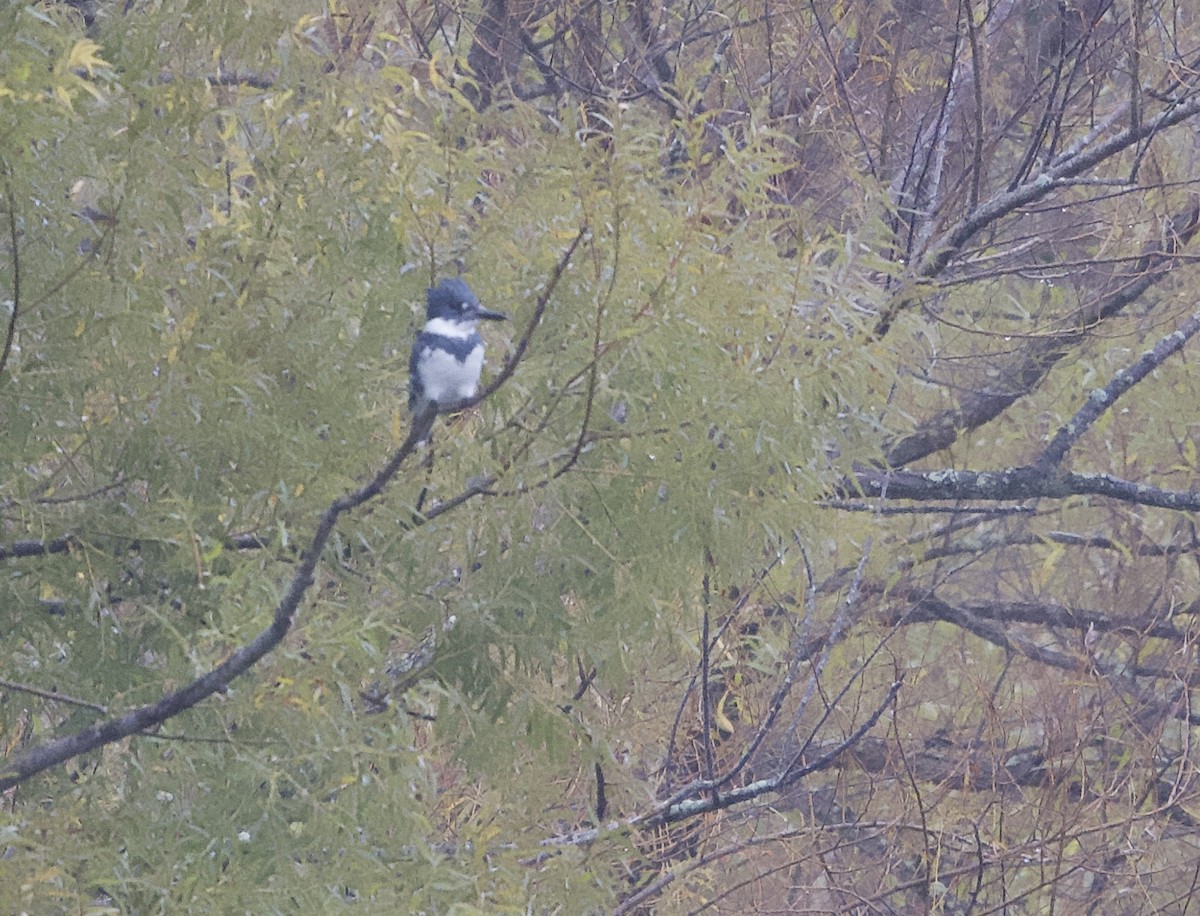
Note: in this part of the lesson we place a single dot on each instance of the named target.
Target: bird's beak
(489, 315)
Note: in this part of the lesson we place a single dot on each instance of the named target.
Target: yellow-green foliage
(219, 286)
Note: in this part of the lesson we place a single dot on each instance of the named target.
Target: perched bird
(447, 355)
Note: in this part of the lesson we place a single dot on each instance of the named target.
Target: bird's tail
(423, 415)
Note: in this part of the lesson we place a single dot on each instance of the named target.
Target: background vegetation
(826, 542)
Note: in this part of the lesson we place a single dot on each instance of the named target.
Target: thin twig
(16, 267)
(51, 695)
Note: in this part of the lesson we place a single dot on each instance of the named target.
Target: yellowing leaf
(721, 719)
(1050, 564)
(85, 56)
(435, 77)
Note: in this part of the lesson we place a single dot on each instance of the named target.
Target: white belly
(448, 380)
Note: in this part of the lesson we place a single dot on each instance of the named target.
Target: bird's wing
(415, 390)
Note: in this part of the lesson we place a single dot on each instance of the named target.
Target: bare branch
(11, 208)
(1030, 367)
(1070, 164)
(1028, 482)
(36, 548)
(51, 695)
(1102, 399)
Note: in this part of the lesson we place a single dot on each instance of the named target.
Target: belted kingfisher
(447, 355)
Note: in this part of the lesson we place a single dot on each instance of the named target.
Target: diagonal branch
(34, 760)
(543, 301)
(1102, 399)
(1040, 479)
(11, 333)
(669, 812)
(1071, 164)
(1026, 373)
